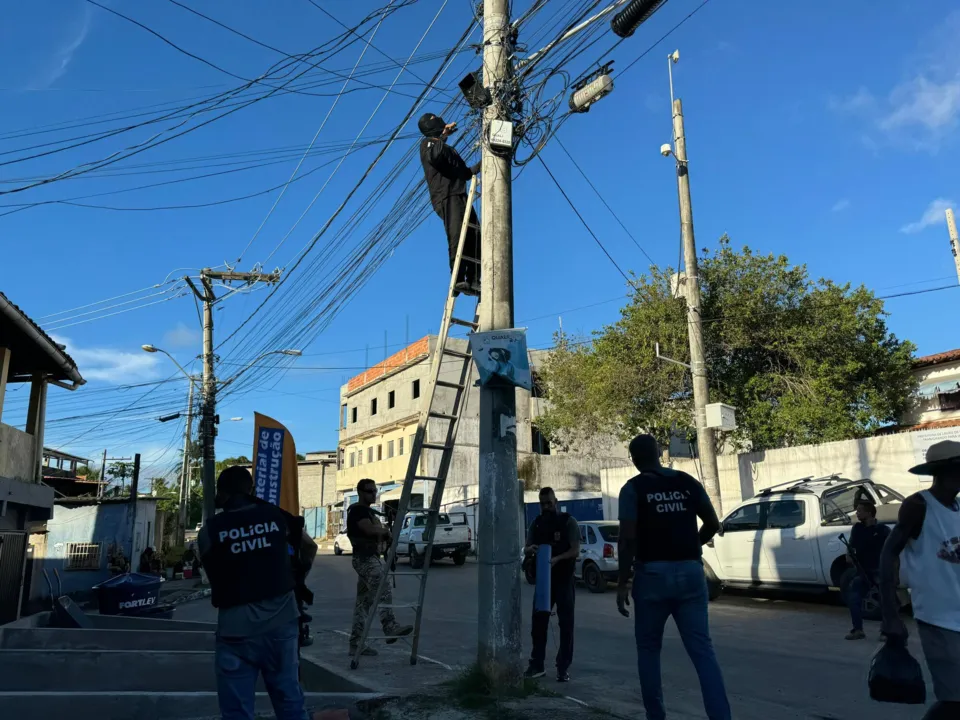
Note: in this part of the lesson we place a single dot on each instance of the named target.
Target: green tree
(118, 472)
(228, 462)
(803, 361)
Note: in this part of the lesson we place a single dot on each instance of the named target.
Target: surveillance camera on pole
(626, 22)
(666, 150)
(591, 88)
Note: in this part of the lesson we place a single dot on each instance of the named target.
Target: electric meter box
(501, 134)
(721, 417)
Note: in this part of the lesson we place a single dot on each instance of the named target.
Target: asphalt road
(780, 658)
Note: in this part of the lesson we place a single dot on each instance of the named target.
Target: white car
(452, 538)
(342, 544)
(598, 562)
(788, 536)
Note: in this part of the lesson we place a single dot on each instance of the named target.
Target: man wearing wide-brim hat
(927, 541)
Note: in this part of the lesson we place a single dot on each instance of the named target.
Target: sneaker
(534, 672)
(366, 652)
(563, 676)
(855, 635)
(397, 632)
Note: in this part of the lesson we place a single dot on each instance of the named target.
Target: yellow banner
(275, 476)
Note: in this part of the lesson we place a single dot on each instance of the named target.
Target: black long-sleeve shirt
(445, 171)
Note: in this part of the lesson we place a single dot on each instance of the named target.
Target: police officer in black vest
(561, 532)
(245, 550)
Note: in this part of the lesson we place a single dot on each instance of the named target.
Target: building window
(353, 415)
(373, 406)
(379, 452)
(391, 399)
(413, 439)
(390, 449)
(360, 456)
(353, 459)
(370, 454)
(400, 448)
(82, 556)
(343, 416)
(416, 389)
(538, 442)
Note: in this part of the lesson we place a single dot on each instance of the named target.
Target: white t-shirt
(930, 566)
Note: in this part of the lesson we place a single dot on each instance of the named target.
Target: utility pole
(208, 413)
(710, 476)
(954, 240)
(134, 489)
(499, 647)
(185, 470)
(103, 476)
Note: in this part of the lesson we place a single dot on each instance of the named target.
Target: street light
(154, 349)
(291, 353)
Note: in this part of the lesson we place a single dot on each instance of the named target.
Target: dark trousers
(452, 212)
(855, 592)
(562, 596)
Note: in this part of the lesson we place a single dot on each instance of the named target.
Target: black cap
(431, 125)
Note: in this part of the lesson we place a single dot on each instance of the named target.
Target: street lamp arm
(294, 353)
(154, 349)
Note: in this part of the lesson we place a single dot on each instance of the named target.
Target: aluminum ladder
(431, 409)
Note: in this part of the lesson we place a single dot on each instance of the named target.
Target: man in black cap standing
(245, 550)
(447, 174)
(926, 539)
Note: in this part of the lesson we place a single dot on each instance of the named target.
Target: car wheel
(459, 558)
(337, 550)
(593, 578)
(714, 586)
(416, 559)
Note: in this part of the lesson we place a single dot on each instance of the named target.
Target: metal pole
(499, 647)
(954, 240)
(103, 475)
(207, 425)
(701, 393)
(134, 489)
(184, 471)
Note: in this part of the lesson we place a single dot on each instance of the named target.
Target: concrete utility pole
(954, 240)
(698, 368)
(185, 470)
(134, 490)
(103, 476)
(499, 647)
(208, 413)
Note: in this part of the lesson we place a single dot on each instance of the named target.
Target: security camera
(675, 56)
(665, 150)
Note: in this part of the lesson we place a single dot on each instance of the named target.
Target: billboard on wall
(501, 358)
(275, 476)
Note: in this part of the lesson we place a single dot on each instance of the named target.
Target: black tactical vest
(551, 529)
(249, 558)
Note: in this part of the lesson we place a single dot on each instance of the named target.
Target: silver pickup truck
(452, 539)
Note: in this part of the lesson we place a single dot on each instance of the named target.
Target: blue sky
(827, 132)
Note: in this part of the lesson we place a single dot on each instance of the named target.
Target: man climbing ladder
(446, 174)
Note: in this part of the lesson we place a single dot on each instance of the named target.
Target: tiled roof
(937, 359)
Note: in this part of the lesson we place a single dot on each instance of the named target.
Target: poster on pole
(275, 476)
(501, 358)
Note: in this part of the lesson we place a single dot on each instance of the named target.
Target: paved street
(781, 659)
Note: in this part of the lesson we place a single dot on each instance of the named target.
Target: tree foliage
(803, 361)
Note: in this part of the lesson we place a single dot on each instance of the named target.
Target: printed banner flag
(275, 464)
(501, 357)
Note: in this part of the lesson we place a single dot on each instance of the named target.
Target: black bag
(895, 675)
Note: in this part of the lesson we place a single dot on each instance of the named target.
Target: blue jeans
(240, 661)
(662, 589)
(855, 592)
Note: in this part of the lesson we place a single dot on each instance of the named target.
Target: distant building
(317, 480)
(27, 355)
(380, 409)
(938, 377)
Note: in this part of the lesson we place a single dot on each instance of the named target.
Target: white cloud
(63, 56)
(933, 215)
(840, 205)
(181, 336)
(921, 112)
(111, 365)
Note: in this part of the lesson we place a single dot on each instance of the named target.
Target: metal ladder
(429, 410)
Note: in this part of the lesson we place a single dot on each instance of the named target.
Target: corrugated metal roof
(63, 366)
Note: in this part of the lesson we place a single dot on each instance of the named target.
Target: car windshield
(610, 533)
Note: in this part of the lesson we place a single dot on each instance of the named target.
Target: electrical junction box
(501, 134)
(721, 417)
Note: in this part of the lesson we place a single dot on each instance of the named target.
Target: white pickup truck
(788, 536)
(453, 538)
